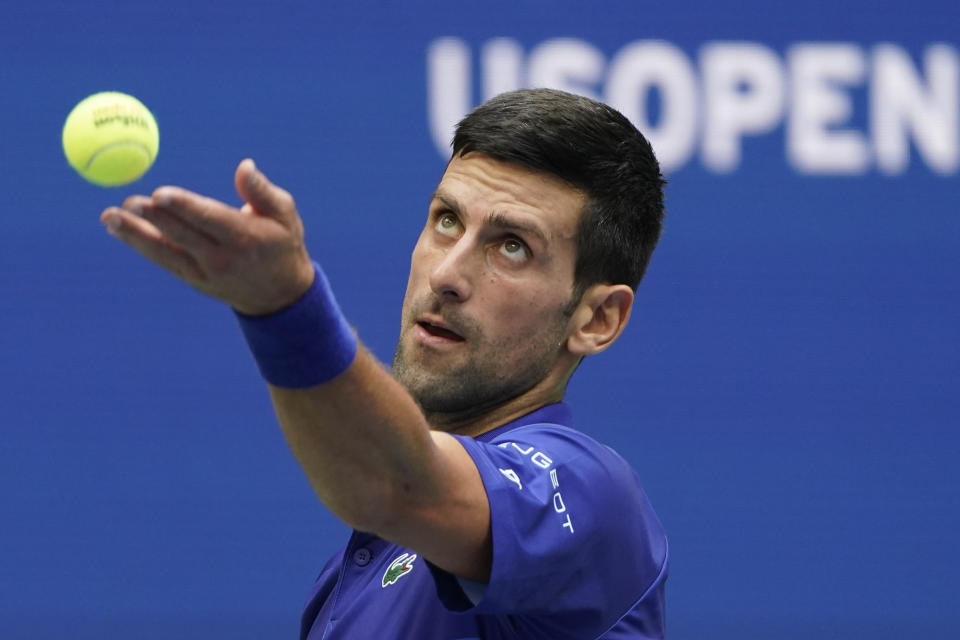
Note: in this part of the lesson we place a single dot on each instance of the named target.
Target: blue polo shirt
(578, 553)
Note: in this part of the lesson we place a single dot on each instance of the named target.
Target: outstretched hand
(253, 258)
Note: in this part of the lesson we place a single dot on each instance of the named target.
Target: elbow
(378, 510)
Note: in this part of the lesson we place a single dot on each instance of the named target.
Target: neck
(477, 420)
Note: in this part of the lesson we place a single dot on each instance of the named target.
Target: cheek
(418, 263)
(414, 275)
(521, 312)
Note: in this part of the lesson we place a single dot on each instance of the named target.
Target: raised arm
(360, 437)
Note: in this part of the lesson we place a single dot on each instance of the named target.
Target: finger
(266, 198)
(213, 218)
(134, 204)
(188, 236)
(150, 242)
(170, 225)
(126, 220)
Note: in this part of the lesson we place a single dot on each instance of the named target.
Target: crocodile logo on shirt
(399, 567)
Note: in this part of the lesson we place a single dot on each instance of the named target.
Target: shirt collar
(558, 413)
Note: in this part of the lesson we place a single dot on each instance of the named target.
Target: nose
(452, 275)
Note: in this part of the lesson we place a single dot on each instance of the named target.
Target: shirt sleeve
(573, 533)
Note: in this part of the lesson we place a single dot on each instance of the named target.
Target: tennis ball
(110, 138)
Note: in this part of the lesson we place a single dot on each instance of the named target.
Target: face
(490, 279)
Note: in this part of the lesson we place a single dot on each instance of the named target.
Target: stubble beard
(493, 373)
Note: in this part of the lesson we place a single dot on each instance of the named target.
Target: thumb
(266, 198)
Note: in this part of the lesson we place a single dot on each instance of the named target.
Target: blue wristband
(305, 344)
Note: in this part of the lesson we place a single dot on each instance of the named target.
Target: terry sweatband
(305, 344)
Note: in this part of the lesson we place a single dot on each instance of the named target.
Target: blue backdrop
(787, 389)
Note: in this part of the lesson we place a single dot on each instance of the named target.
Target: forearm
(361, 440)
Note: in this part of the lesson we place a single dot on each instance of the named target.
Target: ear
(599, 318)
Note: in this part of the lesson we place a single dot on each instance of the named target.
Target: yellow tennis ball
(110, 138)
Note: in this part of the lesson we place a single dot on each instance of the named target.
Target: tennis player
(478, 510)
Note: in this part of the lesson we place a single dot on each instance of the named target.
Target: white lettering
(815, 143)
(525, 452)
(448, 89)
(502, 67)
(558, 505)
(512, 476)
(567, 64)
(541, 460)
(642, 67)
(899, 103)
(743, 94)
(747, 90)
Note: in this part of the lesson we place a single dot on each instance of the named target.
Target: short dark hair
(595, 149)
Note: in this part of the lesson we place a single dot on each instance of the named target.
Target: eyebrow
(498, 219)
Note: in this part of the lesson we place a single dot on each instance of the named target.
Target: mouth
(438, 332)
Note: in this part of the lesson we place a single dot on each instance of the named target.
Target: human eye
(446, 223)
(514, 249)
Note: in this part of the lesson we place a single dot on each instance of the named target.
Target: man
(478, 512)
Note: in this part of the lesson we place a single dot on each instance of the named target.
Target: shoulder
(572, 528)
(591, 487)
(554, 447)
